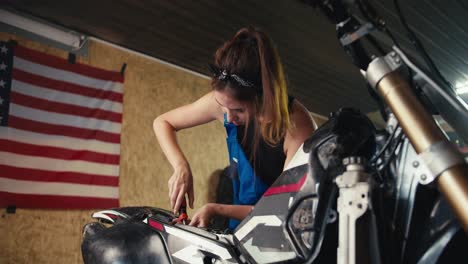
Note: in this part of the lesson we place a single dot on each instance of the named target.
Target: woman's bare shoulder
(301, 118)
(209, 102)
(302, 124)
(203, 110)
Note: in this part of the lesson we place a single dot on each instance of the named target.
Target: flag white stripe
(66, 76)
(64, 97)
(57, 188)
(71, 143)
(51, 164)
(64, 119)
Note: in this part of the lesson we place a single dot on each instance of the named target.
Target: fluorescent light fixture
(461, 87)
(71, 39)
(462, 90)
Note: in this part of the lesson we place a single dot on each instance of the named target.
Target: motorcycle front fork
(357, 234)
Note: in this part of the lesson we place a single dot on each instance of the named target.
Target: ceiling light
(461, 87)
(68, 38)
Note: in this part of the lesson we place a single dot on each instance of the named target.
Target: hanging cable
(385, 146)
(398, 141)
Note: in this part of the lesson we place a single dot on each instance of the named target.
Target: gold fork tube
(422, 132)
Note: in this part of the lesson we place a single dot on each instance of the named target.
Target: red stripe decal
(293, 187)
(40, 127)
(68, 87)
(112, 216)
(55, 201)
(24, 174)
(51, 106)
(57, 153)
(56, 62)
(156, 225)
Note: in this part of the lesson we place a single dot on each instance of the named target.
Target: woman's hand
(181, 183)
(202, 217)
(165, 126)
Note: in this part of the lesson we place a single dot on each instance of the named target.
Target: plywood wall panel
(151, 88)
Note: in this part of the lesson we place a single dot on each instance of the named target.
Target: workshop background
(151, 88)
(166, 46)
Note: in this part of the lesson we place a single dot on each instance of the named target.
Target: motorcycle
(351, 194)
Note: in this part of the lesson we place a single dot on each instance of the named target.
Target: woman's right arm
(165, 127)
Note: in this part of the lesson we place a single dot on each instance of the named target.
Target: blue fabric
(247, 187)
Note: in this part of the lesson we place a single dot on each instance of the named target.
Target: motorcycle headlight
(301, 224)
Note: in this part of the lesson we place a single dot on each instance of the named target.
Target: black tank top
(269, 160)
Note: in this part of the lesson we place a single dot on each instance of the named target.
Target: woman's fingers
(202, 217)
(191, 196)
(179, 200)
(194, 221)
(180, 184)
(175, 188)
(202, 224)
(173, 197)
(198, 221)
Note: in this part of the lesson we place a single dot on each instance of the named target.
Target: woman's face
(236, 111)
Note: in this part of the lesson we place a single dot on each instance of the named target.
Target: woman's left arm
(302, 127)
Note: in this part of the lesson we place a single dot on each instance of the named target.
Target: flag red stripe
(40, 127)
(57, 153)
(68, 87)
(33, 102)
(56, 176)
(56, 62)
(53, 201)
(86, 86)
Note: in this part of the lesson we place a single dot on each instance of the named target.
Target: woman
(265, 127)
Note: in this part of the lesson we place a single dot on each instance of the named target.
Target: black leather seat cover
(125, 242)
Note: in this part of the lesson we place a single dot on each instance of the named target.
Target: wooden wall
(150, 88)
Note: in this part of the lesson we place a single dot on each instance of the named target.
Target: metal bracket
(438, 158)
(352, 203)
(361, 32)
(422, 172)
(382, 66)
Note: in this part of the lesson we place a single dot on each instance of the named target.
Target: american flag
(60, 129)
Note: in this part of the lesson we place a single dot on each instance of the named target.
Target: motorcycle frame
(444, 164)
(382, 73)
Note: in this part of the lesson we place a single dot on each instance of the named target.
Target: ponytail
(251, 57)
(274, 110)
